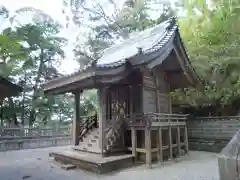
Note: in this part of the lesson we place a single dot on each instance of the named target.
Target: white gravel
(36, 165)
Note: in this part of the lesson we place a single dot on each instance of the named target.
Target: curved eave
(8, 88)
(87, 79)
(192, 72)
(174, 43)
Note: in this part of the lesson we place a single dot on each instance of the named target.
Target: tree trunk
(1, 113)
(14, 116)
(23, 101)
(35, 90)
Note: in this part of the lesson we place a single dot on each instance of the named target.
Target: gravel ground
(36, 165)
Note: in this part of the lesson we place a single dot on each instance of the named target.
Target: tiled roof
(10, 85)
(149, 40)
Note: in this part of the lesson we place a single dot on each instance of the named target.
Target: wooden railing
(88, 123)
(152, 119)
(113, 133)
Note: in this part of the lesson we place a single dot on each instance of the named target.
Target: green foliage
(212, 39)
(107, 29)
(29, 54)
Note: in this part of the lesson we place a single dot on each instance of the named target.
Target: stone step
(93, 140)
(96, 136)
(94, 162)
(87, 149)
(68, 166)
(89, 145)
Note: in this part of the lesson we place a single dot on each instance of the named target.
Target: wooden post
(169, 100)
(134, 141)
(102, 119)
(186, 139)
(131, 99)
(148, 148)
(1, 114)
(170, 142)
(178, 141)
(76, 120)
(160, 146)
(158, 110)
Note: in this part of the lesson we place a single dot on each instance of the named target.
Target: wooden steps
(86, 148)
(93, 162)
(90, 142)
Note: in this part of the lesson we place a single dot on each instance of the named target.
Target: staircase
(89, 136)
(90, 142)
(113, 136)
(87, 155)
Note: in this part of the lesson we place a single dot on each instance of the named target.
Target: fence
(204, 133)
(211, 133)
(26, 138)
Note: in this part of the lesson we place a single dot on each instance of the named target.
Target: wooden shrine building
(8, 89)
(135, 117)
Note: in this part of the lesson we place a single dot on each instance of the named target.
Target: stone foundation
(229, 160)
(94, 162)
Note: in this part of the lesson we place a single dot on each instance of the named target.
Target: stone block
(229, 159)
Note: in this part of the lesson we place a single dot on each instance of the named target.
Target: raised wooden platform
(94, 162)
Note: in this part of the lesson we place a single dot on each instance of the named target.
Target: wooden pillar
(169, 100)
(131, 99)
(102, 119)
(178, 141)
(134, 141)
(76, 120)
(186, 139)
(157, 92)
(148, 148)
(159, 145)
(1, 113)
(170, 142)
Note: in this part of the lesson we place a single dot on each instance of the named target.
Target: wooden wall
(164, 88)
(155, 92)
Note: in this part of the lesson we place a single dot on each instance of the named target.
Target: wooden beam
(131, 99)
(160, 145)
(183, 52)
(157, 92)
(186, 139)
(170, 143)
(76, 120)
(178, 141)
(148, 145)
(134, 141)
(102, 119)
(169, 100)
(180, 60)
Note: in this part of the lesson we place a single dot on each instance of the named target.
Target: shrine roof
(141, 48)
(8, 88)
(119, 53)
